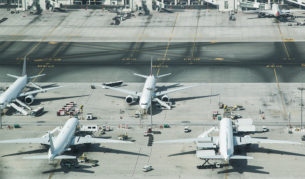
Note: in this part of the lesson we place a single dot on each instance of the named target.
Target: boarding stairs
(21, 107)
(162, 103)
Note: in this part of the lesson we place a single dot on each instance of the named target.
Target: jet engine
(165, 98)
(29, 99)
(129, 99)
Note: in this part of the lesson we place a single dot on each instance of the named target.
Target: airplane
(62, 142)
(225, 143)
(11, 96)
(275, 11)
(149, 92)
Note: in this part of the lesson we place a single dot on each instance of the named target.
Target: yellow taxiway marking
(52, 43)
(168, 43)
(283, 42)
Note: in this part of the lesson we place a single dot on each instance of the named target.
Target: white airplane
(276, 12)
(225, 143)
(62, 142)
(149, 92)
(12, 95)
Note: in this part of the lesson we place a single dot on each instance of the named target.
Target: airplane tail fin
(13, 76)
(151, 71)
(39, 157)
(24, 67)
(160, 76)
(51, 143)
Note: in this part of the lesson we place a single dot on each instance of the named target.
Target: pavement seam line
(281, 94)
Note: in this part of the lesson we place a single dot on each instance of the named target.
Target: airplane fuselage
(226, 145)
(64, 138)
(148, 92)
(13, 91)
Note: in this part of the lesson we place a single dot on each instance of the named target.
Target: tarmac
(206, 25)
(257, 63)
(191, 107)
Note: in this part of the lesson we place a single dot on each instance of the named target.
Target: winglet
(24, 67)
(51, 142)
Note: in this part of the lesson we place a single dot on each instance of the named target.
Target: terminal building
(134, 5)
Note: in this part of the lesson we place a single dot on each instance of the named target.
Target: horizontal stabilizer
(143, 76)
(240, 157)
(13, 76)
(36, 76)
(65, 157)
(160, 76)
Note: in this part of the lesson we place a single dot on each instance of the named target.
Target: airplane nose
(144, 109)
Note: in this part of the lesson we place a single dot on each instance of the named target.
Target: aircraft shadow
(164, 88)
(241, 166)
(39, 100)
(27, 152)
(81, 169)
(254, 148)
(97, 148)
(113, 96)
(183, 153)
(193, 97)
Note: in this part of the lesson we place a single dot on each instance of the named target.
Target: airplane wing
(250, 140)
(41, 140)
(129, 92)
(287, 11)
(43, 90)
(189, 140)
(85, 140)
(38, 157)
(258, 11)
(161, 93)
(206, 133)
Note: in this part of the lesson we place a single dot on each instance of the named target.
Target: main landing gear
(207, 165)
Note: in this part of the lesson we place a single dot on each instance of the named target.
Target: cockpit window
(143, 103)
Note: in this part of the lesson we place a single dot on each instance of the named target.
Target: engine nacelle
(129, 99)
(29, 99)
(165, 98)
